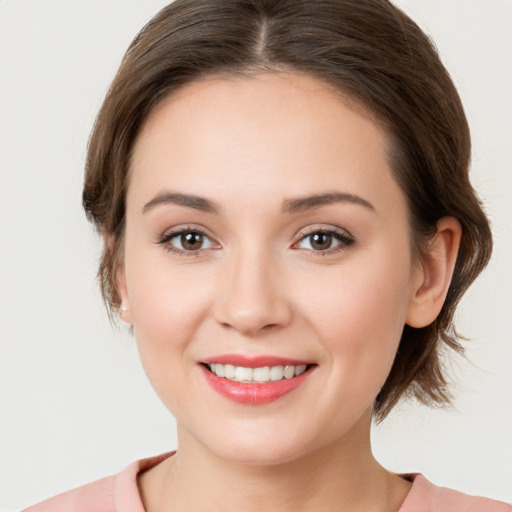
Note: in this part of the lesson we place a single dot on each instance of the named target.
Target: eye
(186, 241)
(324, 241)
(191, 241)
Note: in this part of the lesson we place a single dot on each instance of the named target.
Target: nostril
(250, 322)
(249, 302)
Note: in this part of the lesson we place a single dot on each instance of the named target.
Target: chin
(262, 445)
(257, 454)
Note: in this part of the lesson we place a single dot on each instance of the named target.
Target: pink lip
(254, 361)
(253, 393)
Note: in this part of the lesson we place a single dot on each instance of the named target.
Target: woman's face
(264, 229)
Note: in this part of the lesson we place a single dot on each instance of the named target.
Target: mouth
(258, 375)
(255, 381)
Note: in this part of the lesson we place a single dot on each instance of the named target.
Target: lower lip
(253, 394)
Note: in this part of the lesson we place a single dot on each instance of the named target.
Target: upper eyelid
(164, 240)
(324, 229)
(172, 232)
(344, 238)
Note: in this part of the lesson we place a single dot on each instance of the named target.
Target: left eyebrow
(302, 204)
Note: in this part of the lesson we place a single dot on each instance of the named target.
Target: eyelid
(345, 238)
(169, 234)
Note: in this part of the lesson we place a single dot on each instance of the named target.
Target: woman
(288, 225)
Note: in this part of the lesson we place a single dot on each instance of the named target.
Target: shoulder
(97, 496)
(116, 493)
(427, 497)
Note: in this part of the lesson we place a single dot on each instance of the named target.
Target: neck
(342, 475)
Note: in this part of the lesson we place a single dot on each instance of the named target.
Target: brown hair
(371, 52)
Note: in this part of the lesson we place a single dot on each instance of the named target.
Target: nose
(252, 297)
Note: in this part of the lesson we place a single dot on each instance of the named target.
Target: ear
(125, 312)
(433, 275)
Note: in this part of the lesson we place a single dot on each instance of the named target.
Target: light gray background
(75, 404)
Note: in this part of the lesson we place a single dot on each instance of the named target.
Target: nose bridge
(252, 295)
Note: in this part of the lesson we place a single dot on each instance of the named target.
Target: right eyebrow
(190, 201)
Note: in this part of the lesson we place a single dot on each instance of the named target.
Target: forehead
(283, 132)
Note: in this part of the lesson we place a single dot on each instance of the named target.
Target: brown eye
(186, 241)
(321, 241)
(325, 241)
(191, 241)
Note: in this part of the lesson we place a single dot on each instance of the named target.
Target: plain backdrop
(75, 404)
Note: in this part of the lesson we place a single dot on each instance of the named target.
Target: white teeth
(220, 370)
(230, 371)
(289, 372)
(276, 373)
(241, 373)
(260, 374)
(299, 370)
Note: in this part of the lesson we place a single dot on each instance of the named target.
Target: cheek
(161, 292)
(359, 317)
(166, 314)
(168, 303)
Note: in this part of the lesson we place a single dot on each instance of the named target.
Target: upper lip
(254, 361)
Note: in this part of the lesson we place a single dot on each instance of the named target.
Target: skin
(257, 286)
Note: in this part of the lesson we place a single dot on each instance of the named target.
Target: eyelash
(166, 239)
(345, 240)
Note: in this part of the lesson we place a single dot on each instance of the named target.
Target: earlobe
(125, 312)
(432, 278)
(110, 242)
(120, 277)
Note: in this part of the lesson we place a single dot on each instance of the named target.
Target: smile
(255, 380)
(256, 375)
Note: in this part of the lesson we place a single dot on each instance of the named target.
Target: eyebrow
(297, 205)
(190, 201)
(302, 204)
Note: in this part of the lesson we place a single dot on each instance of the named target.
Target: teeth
(261, 374)
(230, 371)
(276, 373)
(220, 370)
(299, 370)
(241, 373)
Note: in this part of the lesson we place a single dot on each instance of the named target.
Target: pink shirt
(119, 493)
